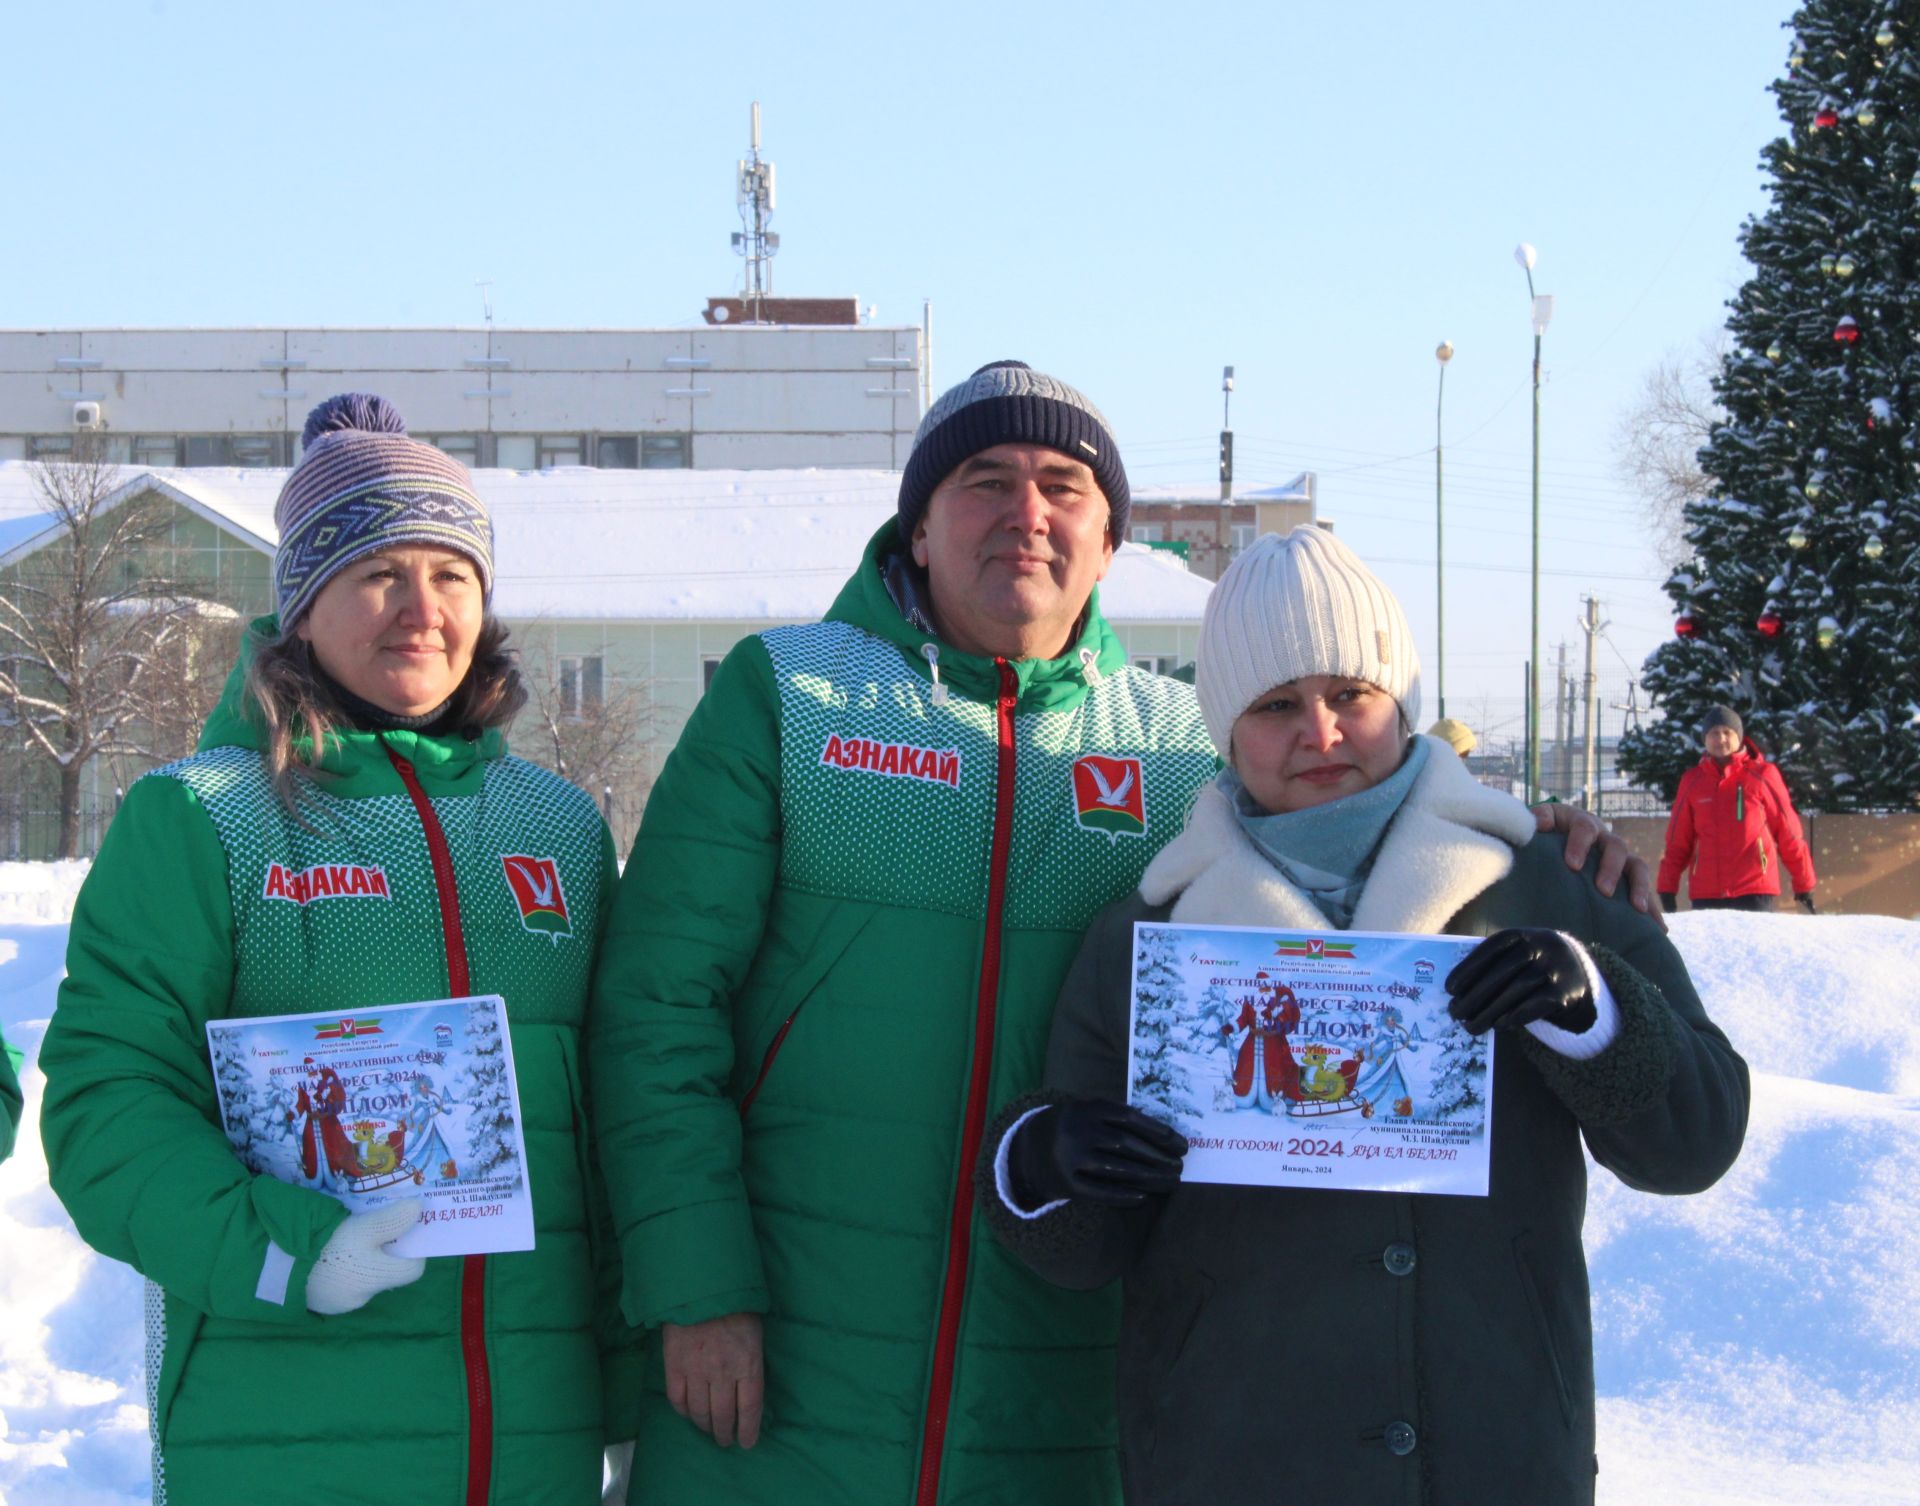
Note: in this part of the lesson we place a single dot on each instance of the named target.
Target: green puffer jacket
(9, 1098)
(837, 944)
(483, 1381)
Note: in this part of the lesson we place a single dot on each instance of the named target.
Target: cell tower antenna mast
(756, 243)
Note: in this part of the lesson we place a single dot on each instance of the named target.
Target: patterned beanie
(1293, 606)
(361, 485)
(1008, 402)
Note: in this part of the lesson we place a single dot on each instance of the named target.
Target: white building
(821, 390)
(618, 585)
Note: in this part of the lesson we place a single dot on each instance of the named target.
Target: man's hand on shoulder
(1583, 829)
(715, 1377)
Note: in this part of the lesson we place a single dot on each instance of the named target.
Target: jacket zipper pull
(1090, 667)
(930, 651)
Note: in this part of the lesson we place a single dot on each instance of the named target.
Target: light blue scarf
(1326, 851)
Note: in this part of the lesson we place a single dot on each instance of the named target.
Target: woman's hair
(298, 713)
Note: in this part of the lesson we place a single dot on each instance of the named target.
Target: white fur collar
(1452, 840)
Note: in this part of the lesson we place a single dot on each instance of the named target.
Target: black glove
(1805, 902)
(1518, 976)
(1670, 902)
(1096, 1149)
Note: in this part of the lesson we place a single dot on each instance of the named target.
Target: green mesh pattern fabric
(293, 958)
(892, 831)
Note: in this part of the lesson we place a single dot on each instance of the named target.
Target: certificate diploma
(1309, 1059)
(392, 1101)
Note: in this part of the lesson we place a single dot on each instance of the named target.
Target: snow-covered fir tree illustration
(484, 1088)
(1162, 1031)
(240, 1117)
(1457, 1084)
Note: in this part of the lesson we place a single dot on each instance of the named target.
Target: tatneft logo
(1107, 796)
(892, 760)
(535, 885)
(325, 881)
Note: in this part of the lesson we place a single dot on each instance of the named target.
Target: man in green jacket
(861, 877)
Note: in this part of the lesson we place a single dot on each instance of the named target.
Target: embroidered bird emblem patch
(535, 885)
(1108, 796)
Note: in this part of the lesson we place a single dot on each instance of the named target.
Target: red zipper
(766, 1062)
(473, 1268)
(940, 1396)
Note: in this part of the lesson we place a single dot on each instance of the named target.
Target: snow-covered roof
(1299, 489)
(672, 545)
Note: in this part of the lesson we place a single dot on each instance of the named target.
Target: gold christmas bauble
(1843, 265)
(1828, 264)
(1813, 488)
(1775, 353)
(1797, 539)
(1864, 116)
(1873, 548)
(1827, 633)
(1884, 36)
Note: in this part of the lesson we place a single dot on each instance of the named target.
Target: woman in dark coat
(1292, 1345)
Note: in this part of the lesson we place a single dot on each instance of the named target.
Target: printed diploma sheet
(1299, 1059)
(394, 1101)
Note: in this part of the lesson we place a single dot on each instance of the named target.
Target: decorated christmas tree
(1801, 605)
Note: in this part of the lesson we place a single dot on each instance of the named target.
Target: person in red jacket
(1735, 826)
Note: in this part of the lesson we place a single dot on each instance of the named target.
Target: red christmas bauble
(1685, 626)
(1769, 623)
(1826, 120)
(1846, 331)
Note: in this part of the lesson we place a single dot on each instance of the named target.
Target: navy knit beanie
(1008, 402)
(363, 485)
(1721, 716)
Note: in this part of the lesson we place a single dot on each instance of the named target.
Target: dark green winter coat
(9, 1098)
(838, 940)
(1286, 1345)
(481, 1382)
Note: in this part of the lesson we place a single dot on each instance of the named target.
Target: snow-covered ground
(1756, 1344)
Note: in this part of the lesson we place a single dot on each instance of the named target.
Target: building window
(250, 451)
(709, 667)
(464, 448)
(1154, 664)
(664, 452)
(617, 452)
(49, 446)
(582, 684)
(156, 449)
(514, 452)
(1148, 533)
(1244, 535)
(560, 449)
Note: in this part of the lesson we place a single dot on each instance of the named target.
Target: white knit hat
(1296, 605)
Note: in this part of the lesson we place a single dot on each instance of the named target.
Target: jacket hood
(349, 752)
(1044, 684)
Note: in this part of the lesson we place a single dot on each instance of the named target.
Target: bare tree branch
(105, 651)
(1657, 439)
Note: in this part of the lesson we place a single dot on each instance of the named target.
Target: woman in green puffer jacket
(362, 730)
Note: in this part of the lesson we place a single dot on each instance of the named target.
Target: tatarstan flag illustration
(1314, 947)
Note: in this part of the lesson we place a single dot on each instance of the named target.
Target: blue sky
(1127, 195)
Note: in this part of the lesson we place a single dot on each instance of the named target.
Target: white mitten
(353, 1267)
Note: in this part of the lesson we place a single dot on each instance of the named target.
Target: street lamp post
(1443, 353)
(1542, 316)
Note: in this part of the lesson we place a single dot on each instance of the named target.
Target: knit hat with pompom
(362, 485)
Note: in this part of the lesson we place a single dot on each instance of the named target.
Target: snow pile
(1755, 1344)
